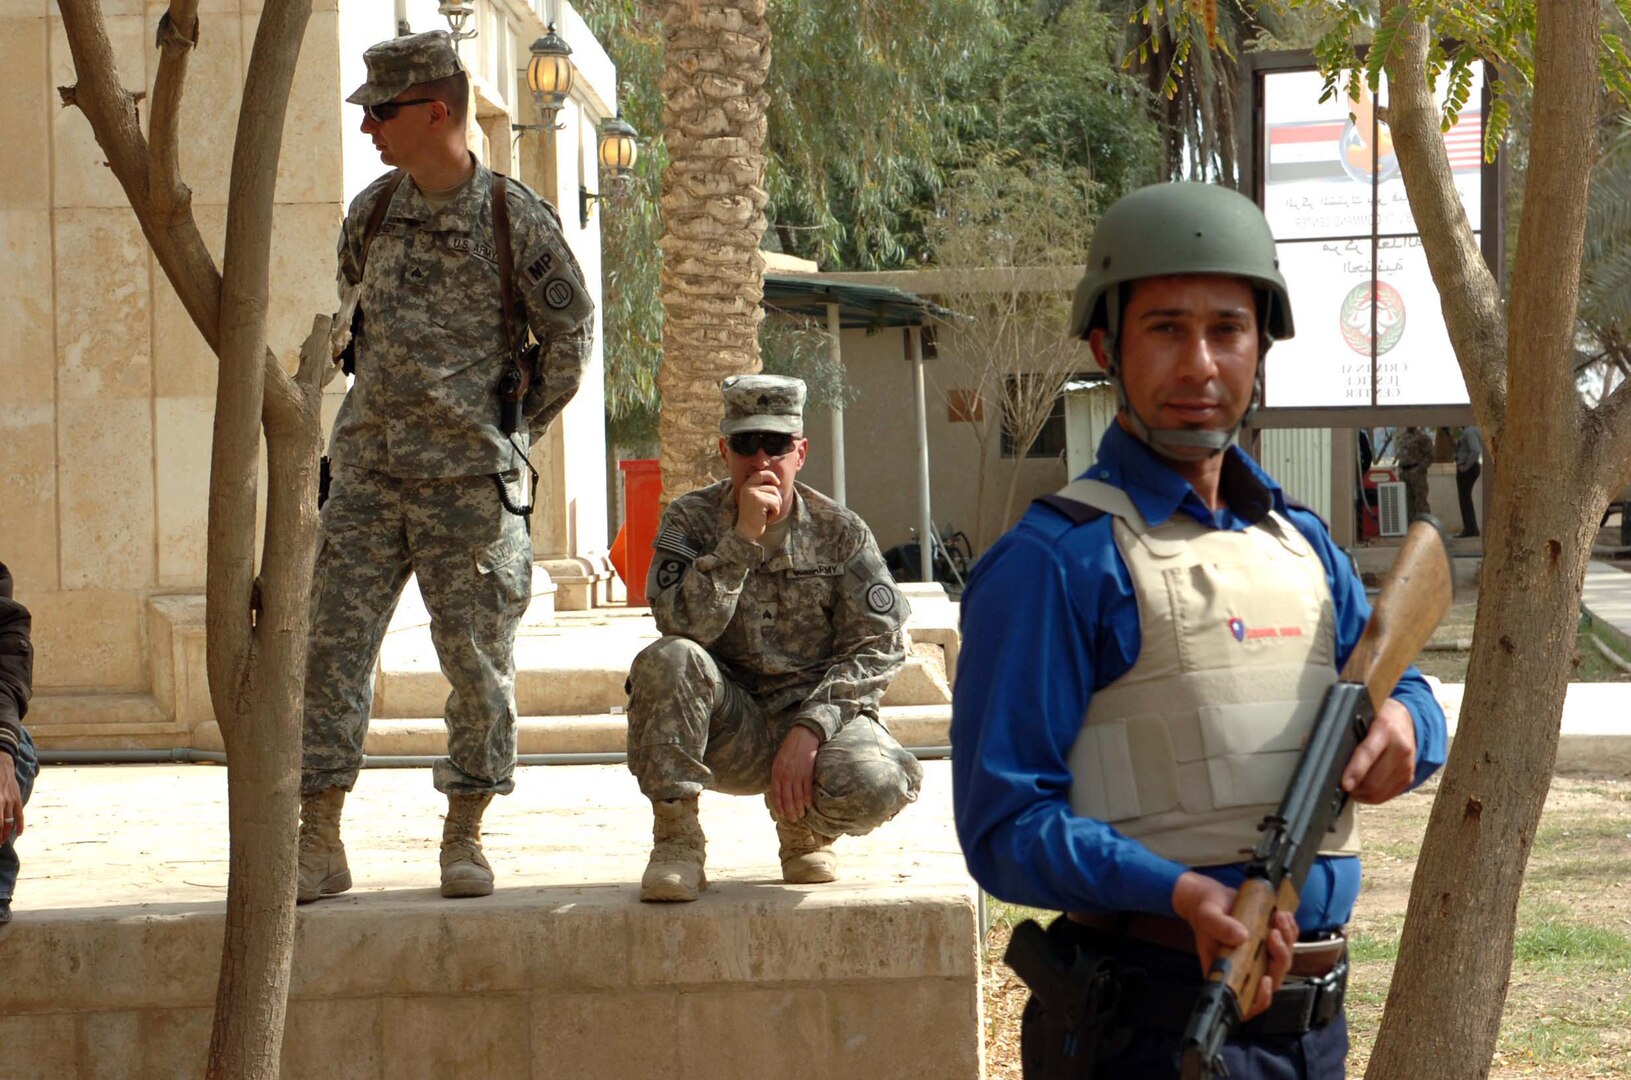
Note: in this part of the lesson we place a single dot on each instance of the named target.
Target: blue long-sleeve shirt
(1048, 618)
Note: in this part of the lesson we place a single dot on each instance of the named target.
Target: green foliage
(1055, 95)
(632, 319)
(1464, 34)
(871, 106)
(863, 107)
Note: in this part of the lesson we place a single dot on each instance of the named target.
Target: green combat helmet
(1183, 228)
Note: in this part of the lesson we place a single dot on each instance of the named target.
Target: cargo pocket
(1123, 769)
(1252, 749)
(504, 569)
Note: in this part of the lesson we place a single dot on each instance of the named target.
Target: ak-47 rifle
(1414, 598)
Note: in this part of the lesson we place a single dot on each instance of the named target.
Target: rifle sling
(501, 246)
(376, 218)
(506, 286)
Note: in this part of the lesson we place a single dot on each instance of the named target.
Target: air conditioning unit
(1392, 513)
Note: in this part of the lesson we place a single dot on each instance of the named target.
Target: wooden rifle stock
(1415, 595)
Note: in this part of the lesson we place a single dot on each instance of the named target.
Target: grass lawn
(1568, 1013)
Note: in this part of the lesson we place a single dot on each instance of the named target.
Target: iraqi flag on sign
(1340, 150)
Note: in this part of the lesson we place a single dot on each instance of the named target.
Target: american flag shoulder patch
(670, 538)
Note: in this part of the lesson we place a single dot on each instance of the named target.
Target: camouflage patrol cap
(762, 403)
(401, 62)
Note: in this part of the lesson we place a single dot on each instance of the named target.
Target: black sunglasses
(387, 109)
(774, 443)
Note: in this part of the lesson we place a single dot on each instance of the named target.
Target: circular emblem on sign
(1353, 146)
(669, 572)
(558, 294)
(880, 598)
(1356, 317)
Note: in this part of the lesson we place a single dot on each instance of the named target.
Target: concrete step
(102, 722)
(572, 671)
(752, 981)
(111, 960)
(590, 733)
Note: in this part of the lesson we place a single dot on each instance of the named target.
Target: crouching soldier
(782, 631)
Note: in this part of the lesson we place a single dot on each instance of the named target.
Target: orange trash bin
(642, 491)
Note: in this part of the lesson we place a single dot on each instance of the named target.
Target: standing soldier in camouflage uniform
(425, 478)
(784, 629)
(1415, 455)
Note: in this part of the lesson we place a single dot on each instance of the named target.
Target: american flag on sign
(1465, 143)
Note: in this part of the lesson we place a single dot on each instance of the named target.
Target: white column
(925, 529)
(836, 353)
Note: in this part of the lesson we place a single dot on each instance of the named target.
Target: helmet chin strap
(1179, 444)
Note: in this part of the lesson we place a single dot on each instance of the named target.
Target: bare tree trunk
(718, 54)
(254, 686)
(1556, 461)
(256, 628)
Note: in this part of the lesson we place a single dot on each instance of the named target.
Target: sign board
(1370, 331)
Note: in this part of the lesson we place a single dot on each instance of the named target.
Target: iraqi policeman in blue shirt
(1142, 655)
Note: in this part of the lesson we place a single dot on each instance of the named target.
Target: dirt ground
(1568, 1012)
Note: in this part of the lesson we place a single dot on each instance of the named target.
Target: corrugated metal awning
(860, 307)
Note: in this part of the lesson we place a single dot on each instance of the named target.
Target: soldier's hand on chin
(757, 501)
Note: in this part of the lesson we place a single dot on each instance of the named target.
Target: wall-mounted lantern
(549, 77)
(616, 156)
(457, 13)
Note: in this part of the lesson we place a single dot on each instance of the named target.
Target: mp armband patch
(880, 598)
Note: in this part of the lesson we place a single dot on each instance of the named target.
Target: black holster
(1072, 1019)
(324, 477)
(348, 355)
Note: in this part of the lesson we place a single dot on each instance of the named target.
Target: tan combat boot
(323, 869)
(464, 869)
(675, 870)
(807, 856)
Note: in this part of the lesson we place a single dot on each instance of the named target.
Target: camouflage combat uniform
(1415, 455)
(415, 450)
(811, 637)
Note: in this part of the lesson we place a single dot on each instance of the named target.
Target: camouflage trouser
(691, 728)
(474, 563)
(1415, 487)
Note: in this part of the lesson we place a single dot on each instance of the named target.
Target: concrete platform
(110, 964)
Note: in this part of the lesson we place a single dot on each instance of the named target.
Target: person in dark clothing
(1469, 452)
(17, 761)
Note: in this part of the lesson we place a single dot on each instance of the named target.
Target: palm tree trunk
(718, 54)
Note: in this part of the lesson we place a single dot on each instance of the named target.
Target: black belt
(1160, 1000)
(1301, 1004)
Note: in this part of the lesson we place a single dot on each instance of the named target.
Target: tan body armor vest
(1189, 749)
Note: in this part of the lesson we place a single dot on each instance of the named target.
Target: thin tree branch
(1467, 289)
(240, 390)
(177, 38)
(174, 237)
(111, 111)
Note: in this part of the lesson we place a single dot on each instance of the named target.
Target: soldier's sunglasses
(387, 109)
(773, 443)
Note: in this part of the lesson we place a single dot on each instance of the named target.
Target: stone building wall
(107, 390)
